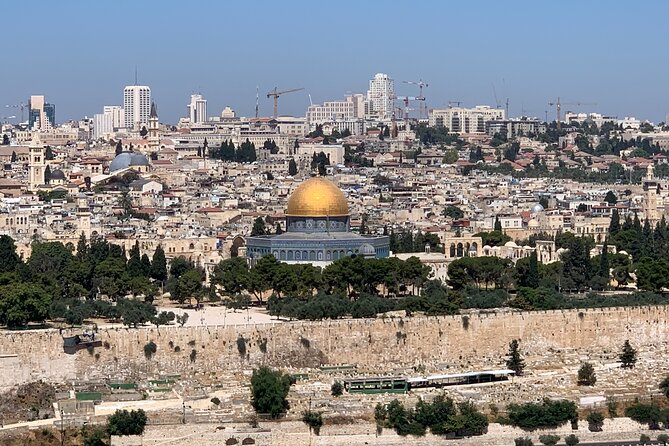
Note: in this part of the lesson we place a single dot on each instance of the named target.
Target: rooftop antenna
(135, 74)
(310, 101)
(257, 100)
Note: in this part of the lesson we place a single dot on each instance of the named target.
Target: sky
(80, 54)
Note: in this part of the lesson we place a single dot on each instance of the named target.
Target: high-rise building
(380, 97)
(137, 106)
(42, 115)
(197, 109)
(110, 120)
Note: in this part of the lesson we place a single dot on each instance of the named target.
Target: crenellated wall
(374, 345)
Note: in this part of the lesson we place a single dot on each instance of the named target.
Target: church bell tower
(37, 165)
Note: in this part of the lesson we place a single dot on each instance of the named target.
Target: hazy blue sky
(81, 54)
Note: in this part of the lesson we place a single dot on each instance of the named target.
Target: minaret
(651, 190)
(37, 164)
(154, 137)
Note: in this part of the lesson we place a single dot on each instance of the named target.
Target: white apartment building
(289, 125)
(109, 121)
(197, 109)
(596, 118)
(466, 120)
(380, 97)
(137, 106)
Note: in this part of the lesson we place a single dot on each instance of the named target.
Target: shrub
(549, 440)
(465, 322)
(314, 420)
(523, 441)
(645, 414)
(241, 346)
(595, 421)
(644, 439)
(571, 440)
(193, 355)
(664, 386)
(150, 349)
(123, 422)
(215, 401)
(547, 414)
(262, 345)
(337, 389)
(612, 407)
(663, 438)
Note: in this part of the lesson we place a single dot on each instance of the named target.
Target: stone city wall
(476, 341)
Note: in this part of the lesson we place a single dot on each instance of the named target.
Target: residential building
(109, 121)
(380, 97)
(466, 120)
(197, 109)
(510, 128)
(137, 106)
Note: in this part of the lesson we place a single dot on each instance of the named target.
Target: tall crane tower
(420, 96)
(275, 94)
(22, 106)
(558, 106)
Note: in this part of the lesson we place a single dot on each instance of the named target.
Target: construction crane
(558, 106)
(406, 100)
(275, 94)
(22, 106)
(420, 96)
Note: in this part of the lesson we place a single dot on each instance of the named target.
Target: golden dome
(317, 197)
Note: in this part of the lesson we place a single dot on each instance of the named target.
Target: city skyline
(578, 52)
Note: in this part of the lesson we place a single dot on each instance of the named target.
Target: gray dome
(366, 250)
(57, 175)
(537, 208)
(128, 159)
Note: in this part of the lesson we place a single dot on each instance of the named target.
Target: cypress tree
(515, 362)
(614, 226)
(159, 265)
(628, 355)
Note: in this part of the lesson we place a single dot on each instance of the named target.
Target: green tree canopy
(269, 389)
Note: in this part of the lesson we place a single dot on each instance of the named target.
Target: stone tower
(37, 165)
(154, 136)
(651, 191)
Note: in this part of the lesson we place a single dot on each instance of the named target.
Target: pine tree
(119, 148)
(628, 355)
(159, 265)
(515, 362)
(14, 157)
(278, 230)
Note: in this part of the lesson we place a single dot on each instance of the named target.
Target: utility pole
(62, 428)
